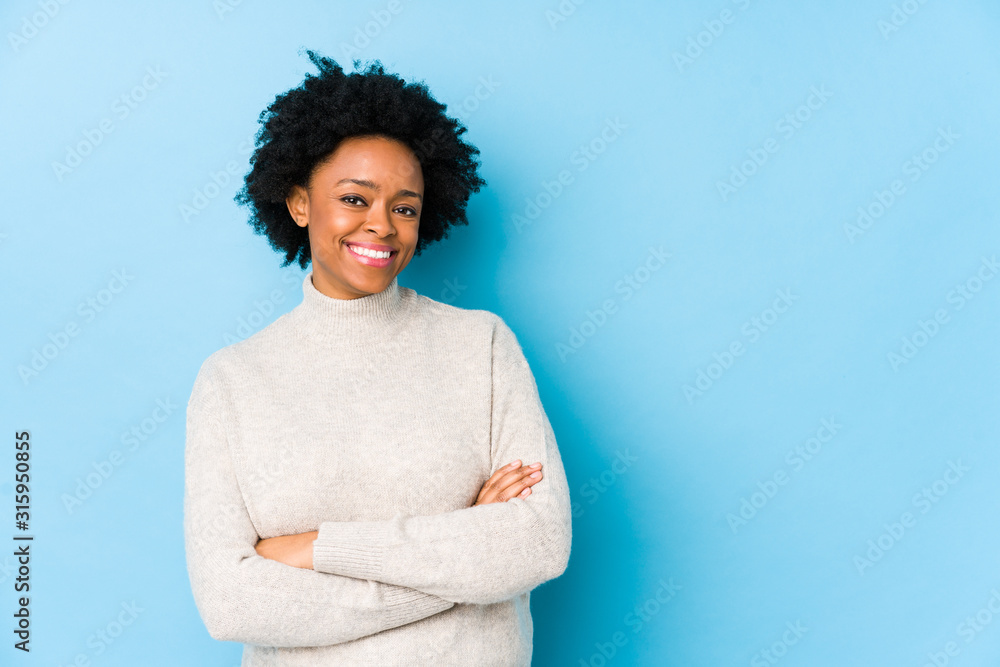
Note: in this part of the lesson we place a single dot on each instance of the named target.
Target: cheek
(323, 233)
(333, 220)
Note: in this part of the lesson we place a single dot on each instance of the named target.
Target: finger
(514, 465)
(509, 468)
(505, 478)
(494, 479)
(501, 478)
(512, 479)
(518, 487)
(507, 475)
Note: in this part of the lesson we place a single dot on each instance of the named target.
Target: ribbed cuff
(351, 548)
(408, 604)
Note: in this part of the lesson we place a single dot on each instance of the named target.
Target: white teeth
(369, 253)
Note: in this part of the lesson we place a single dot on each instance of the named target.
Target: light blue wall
(673, 99)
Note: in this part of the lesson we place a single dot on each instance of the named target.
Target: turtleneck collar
(359, 320)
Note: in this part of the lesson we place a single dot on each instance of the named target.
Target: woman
(357, 486)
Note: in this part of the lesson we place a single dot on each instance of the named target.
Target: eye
(353, 200)
(407, 210)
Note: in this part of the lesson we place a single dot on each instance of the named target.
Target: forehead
(376, 158)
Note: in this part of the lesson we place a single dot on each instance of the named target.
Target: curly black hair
(304, 125)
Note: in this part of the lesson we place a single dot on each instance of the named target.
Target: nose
(379, 221)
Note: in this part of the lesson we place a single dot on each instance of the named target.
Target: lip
(372, 261)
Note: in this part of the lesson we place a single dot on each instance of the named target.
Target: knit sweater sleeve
(485, 553)
(246, 598)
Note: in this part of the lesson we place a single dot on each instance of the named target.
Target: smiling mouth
(369, 257)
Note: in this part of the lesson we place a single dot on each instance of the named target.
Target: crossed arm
(370, 576)
(245, 598)
(511, 481)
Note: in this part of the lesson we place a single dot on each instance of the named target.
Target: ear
(297, 202)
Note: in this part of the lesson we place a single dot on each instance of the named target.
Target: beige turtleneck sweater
(375, 421)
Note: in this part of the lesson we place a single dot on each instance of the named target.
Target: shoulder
(211, 375)
(233, 362)
(459, 330)
(245, 353)
(449, 317)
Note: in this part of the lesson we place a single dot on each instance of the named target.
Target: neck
(348, 321)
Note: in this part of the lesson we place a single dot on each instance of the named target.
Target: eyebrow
(374, 186)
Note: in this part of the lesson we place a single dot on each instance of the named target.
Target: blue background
(691, 94)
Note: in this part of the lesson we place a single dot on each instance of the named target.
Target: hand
(510, 482)
(294, 550)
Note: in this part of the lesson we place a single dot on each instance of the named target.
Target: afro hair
(304, 125)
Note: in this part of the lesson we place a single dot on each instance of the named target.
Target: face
(367, 194)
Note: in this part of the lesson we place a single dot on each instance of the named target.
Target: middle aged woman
(355, 489)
